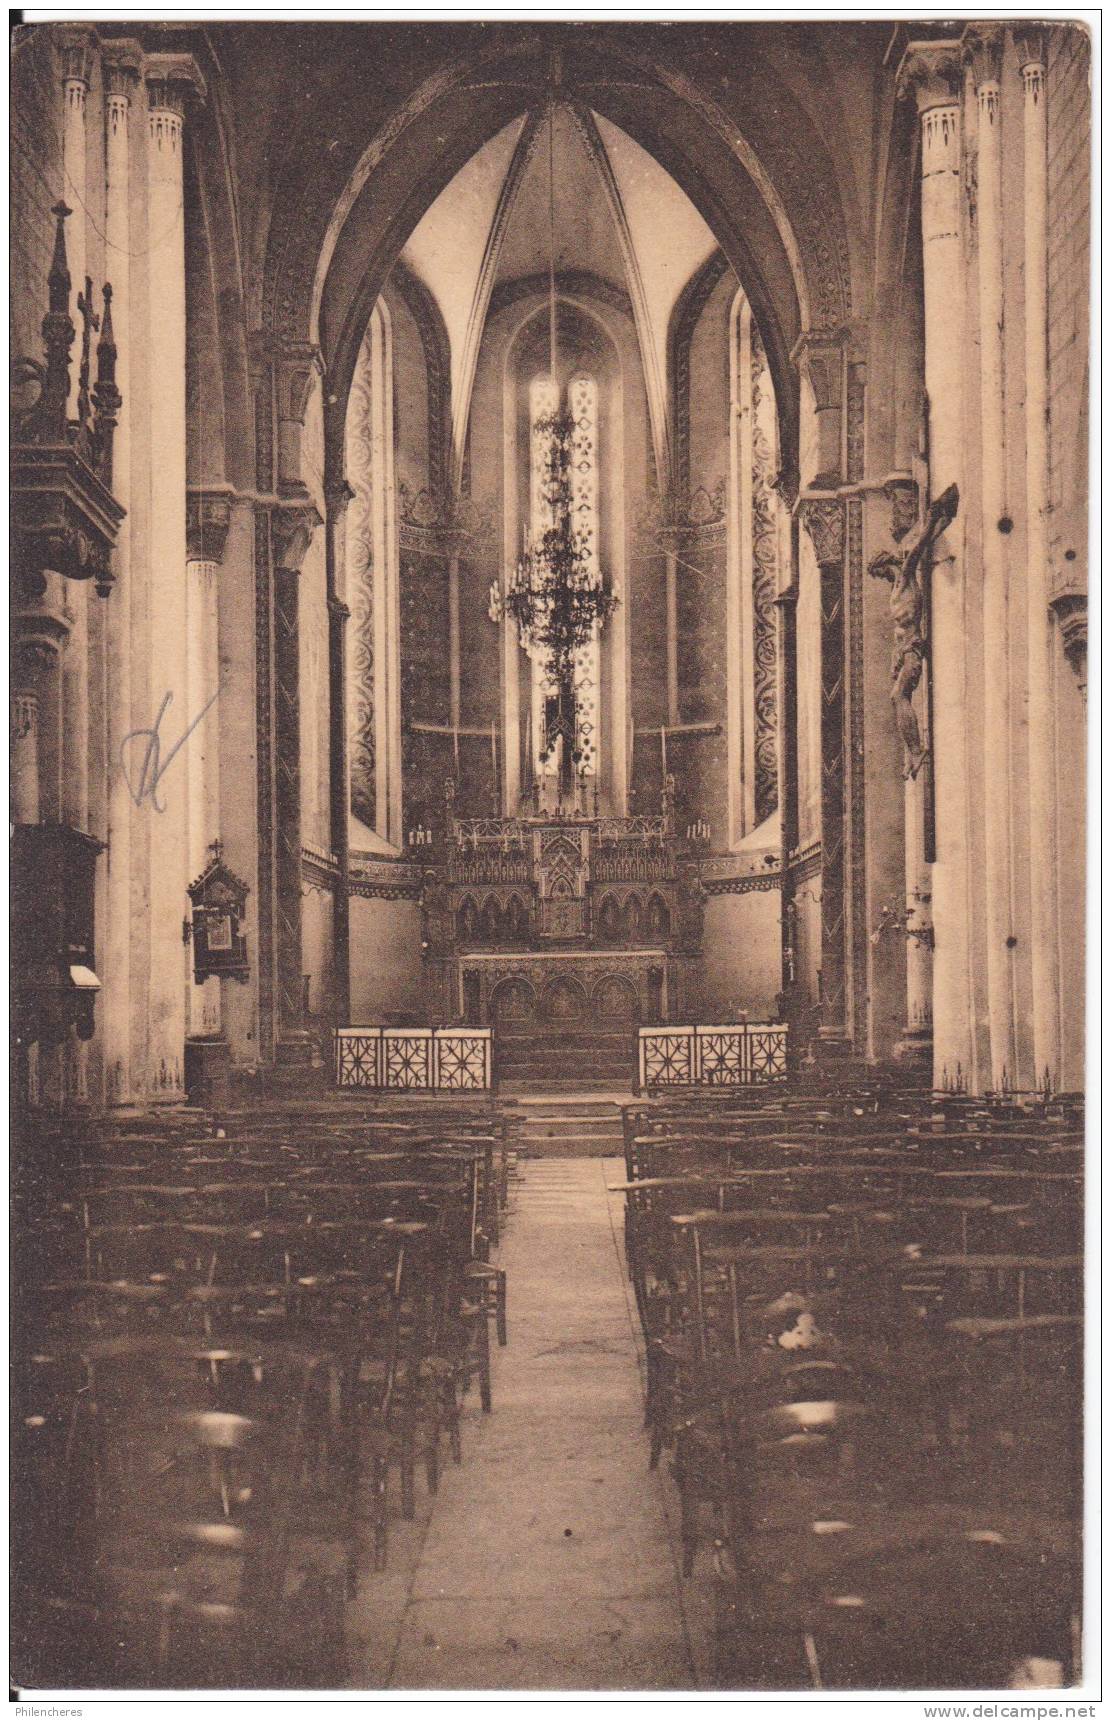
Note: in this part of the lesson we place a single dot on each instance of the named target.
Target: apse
(532, 291)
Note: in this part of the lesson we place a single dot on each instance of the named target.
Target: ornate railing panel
(493, 866)
(415, 1059)
(730, 1055)
(630, 863)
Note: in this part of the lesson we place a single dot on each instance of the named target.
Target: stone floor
(548, 1561)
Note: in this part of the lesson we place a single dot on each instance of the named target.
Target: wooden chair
(199, 1452)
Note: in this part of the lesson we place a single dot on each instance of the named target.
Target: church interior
(547, 802)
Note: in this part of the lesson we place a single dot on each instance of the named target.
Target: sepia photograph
(548, 857)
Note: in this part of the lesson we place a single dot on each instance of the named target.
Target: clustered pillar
(938, 73)
(1043, 856)
(997, 957)
(169, 618)
(120, 81)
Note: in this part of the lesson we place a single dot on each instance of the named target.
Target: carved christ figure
(908, 654)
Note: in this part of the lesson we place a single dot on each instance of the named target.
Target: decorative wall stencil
(765, 580)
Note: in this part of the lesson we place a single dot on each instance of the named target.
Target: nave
(551, 1560)
(789, 1400)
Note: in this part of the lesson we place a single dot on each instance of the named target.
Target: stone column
(297, 367)
(291, 530)
(77, 57)
(824, 519)
(120, 76)
(169, 78)
(787, 696)
(208, 516)
(1043, 851)
(39, 632)
(671, 600)
(337, 495)
(933, 70)
(998, 897)
(738, 576)
(454, 677)
(23, 741)
(823, 512)
(916, 1043)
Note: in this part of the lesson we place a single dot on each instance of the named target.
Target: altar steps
(554, 1062)
(550, 1126)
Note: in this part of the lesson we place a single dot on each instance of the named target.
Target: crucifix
(908, 612)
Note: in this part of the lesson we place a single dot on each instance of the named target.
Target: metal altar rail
(458, 1060)
(737, 1055)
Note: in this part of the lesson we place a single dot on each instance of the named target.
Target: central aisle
(547, 1560)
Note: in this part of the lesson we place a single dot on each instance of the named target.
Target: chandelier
(554, 594)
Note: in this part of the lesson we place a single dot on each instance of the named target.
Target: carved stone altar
(543, 925)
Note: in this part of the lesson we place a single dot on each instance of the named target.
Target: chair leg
(455, 1436)
(348, 1437)
(484, 1366)
(408, 1484)
(380, 1471)
(688, 1533)
(432, 1443)
(688, 1511)
(503, 1331)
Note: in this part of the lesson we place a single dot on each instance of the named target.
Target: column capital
(297, 364)
(824, 520)
(122, 65)
(820, 355)
(1071, 611)
(76, 47)
(292, 525)
(207, 519)
(785, 483)
(39, 633)
(932, 72)
(173, 80)
(1030, 44)
(337, 494)
(23, 714)
(982, 45)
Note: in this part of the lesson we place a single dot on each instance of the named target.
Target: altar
(556, 924)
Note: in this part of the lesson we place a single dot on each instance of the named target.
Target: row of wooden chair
(863, 1356)
(230, 1344)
